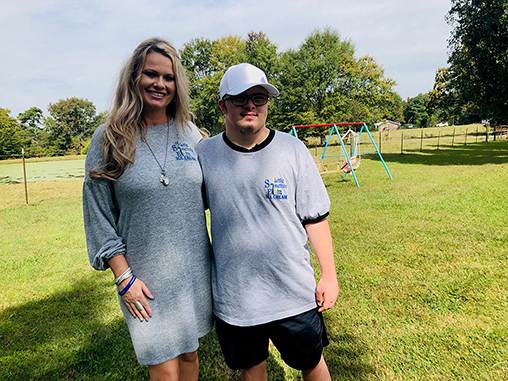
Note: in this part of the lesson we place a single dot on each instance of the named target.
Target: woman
(144, 214)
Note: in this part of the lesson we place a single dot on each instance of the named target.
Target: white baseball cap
(242, 77)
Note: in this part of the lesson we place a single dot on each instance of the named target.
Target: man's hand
(327, 293)
(321, 242)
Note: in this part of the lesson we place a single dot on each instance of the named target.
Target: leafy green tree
(31, 122)
(204, 78)
(261, 52)
(444, 101)
(479, 56)
(312, 81)
(372, 94)
(415, 111)
(12, 138)
(32, 119)
(72, 122)
(322, 82)
(206, 62)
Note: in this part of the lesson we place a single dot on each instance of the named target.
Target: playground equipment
(353, 159)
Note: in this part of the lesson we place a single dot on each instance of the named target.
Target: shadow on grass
(62, 338)
(68, 336)
(347, 358)
(472, 154)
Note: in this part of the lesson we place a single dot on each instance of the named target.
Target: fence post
(465, 139)
(401, 142)
(438, 137)
(421, 141)
(24, 174)
(453, 136)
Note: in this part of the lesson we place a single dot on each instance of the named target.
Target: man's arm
(321, 241)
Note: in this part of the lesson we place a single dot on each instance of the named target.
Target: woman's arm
(138, 292)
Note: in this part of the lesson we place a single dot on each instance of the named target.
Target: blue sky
(54, 49)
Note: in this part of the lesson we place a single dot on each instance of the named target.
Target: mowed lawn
(422, 263)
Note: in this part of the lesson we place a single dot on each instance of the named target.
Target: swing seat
(354, 162)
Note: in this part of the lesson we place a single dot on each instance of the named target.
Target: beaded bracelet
(127, 273)
(126, 288)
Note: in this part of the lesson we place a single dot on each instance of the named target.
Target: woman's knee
(189, 357)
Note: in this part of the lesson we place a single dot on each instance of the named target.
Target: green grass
(422, 262)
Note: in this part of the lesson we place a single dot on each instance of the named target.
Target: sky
(55, 49)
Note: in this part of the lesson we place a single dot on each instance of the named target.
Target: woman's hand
(135, 299)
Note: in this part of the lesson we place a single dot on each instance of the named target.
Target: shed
(388, 125)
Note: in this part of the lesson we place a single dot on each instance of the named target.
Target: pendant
(164, 180)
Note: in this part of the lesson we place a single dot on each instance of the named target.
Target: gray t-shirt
(259, 201)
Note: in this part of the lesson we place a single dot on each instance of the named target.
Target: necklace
(163, 178)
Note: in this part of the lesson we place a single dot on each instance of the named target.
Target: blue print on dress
(276, 188)
(183, 152)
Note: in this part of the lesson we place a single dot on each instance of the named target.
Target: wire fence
(426, 139)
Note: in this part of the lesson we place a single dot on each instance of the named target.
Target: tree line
(67, 130)
(321, 81)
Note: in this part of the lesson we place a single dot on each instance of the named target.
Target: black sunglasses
(242, 99)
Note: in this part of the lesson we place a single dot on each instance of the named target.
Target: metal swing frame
(348, 157)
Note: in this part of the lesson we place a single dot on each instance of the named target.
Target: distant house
(388, 125)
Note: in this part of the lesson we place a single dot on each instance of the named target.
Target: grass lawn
(422, 262)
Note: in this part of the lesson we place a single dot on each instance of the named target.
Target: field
(422, 262)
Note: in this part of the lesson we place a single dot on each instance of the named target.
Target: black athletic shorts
(300, 340)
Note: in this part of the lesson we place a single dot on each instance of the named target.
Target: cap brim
(272, 90)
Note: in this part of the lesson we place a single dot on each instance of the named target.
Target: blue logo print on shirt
(183, 152)
(276, 189)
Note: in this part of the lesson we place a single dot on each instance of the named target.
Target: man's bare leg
(256, 373)
(319, 373)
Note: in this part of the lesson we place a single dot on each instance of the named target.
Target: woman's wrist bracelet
(126, 288)
(127, 273)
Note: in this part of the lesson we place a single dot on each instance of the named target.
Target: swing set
(353, 159)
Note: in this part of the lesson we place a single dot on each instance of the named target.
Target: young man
(267, 200)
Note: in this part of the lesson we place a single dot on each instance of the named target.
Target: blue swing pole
(293, 131)
(377, 150)
(328, 141)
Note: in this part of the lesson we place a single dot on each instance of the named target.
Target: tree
(204, 77)
(32, 119)
(32, 124)
(12, 139)
(261, 52)
(72, 122)
(374, 93)
(322, 82)
(416, 111)
(479, 56)
(206, 62)
(312, 80)
(444, 103)
(443, 100)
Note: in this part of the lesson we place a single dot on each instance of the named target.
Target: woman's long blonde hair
(125, 119)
